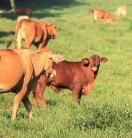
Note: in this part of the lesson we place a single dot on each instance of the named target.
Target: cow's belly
(39, 35)
(11, 73)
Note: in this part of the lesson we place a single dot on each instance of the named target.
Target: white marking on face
(94, 68)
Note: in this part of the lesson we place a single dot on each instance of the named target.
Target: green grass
(106, 112)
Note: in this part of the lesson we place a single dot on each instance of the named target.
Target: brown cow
(20, 71)
(33, 32)
(22, 10)
(102, 14)
(76, 76)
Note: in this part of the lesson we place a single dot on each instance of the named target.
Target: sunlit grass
(107, 109)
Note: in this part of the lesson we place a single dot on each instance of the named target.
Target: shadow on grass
(3, 43)
(6, 42)
(51, 103)
(19, 116)
(4, 34)
(47, 4)
(42, 8)
(44, 14)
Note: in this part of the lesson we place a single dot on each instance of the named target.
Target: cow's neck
(38, 63)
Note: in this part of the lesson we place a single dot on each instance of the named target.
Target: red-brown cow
(76, 76)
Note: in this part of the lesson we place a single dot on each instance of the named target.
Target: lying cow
(121, 11)
(37, 33)
(22, 10)
(76, 76)
(20, 71)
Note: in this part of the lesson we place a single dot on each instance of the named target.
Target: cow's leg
(40, 90)
(35, 103)
(34, 90)
(87, 88)
(18, 40)
(42, 101)
(28, 42)
(28, 106)
(96, 18)
(17, 101)
(41, 85)
(41, 45)
(54, 88)
(79, 97)
(77, 93)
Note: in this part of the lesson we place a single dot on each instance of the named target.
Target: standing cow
(76, 76)
(20, 71)
(37, 33)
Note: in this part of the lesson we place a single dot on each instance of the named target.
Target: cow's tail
(8, 43)
(18, 25)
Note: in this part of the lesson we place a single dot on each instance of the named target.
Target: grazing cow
(20, 71)
(102, 14)
(76, 76)
(22, 10)
(121, 11)
(51, 28)
(37, 33)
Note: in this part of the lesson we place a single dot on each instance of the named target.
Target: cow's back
(31, 29)
(69, 72)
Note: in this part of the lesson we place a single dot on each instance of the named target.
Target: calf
(76, 76)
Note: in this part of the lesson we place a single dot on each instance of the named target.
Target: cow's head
(91, 10)
(51, 31)
(95, 63)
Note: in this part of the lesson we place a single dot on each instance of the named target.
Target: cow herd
(107, 17)
(24, 71)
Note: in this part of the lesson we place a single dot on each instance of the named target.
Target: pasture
(106, 112)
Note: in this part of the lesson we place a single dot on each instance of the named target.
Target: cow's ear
(54, 63)
(85, 61)
(91, 10)
(103, 59)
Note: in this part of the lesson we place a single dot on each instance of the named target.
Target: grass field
(106, 112)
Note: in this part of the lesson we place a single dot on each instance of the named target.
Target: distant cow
(121, 11)
(76, 76)
(37, 33)
(22, 10)
(100, 14)
(20, 71)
